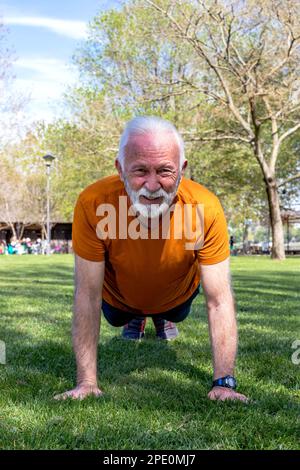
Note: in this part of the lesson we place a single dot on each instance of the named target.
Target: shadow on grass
(150, 375)
(43, 365)
(143, 382)
(148, 369)
(282, 282)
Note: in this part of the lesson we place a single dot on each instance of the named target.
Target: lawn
(155, 392)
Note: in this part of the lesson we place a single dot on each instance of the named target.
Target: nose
(152, 182)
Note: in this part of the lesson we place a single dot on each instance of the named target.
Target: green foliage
(84, 148)
(145, 71)
(134, 63)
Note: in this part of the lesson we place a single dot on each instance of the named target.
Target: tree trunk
(22, 231)
(275, 220)
(14, 234)
(43, 232)
(17, 228)
(245, 237)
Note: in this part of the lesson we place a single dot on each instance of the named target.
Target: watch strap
(223, 382)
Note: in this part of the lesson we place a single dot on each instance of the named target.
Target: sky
(44, 35)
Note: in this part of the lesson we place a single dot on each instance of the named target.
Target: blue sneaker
(134, 329)
(165, 329)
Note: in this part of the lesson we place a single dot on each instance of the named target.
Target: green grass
(155, 393)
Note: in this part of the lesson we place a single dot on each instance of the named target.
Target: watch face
(231, 382)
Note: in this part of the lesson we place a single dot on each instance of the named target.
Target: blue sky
(44, 34)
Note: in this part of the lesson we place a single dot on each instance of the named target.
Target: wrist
(228, 381)
(90, 381)
(223, 373)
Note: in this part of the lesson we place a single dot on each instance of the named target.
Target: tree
(146, 57)
(249, 66)
(22, 193)
(85, 147)
(11, 102)
(8, 195)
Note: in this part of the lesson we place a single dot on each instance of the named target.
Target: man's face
(151, 172)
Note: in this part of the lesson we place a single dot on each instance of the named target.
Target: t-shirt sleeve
(216, 241)
(85, 242)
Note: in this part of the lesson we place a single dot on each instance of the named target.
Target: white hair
(149, 125)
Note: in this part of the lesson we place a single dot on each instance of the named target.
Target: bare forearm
(85, 333)
(223, 336)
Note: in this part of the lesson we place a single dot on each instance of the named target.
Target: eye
(165, 172)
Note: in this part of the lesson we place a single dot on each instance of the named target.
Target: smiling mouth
(155, 200)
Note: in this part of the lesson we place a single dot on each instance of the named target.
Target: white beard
(150, 211)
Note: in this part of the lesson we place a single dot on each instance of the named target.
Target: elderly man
(150, 271)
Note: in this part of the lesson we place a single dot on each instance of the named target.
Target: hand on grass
(80, 392)
(223, 393)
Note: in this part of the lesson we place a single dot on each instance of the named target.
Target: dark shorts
(118, 317)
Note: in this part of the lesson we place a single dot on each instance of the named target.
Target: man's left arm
(215, 280)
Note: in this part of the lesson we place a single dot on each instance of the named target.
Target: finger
(224, 395)
(242, 398)
(63, 396)
(78, 394)
(236, 396)
(83, 395)
(96, 392)
(212, 395)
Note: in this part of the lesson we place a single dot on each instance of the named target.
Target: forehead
(152, 149)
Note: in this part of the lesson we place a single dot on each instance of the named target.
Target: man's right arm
(89, 278)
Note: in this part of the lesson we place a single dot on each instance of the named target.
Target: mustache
(152, 194)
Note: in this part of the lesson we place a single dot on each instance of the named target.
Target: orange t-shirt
(147, 275)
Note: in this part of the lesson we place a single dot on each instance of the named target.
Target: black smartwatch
(228, 382)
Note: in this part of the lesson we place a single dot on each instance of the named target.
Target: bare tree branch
(289, 132)
(292, 178)
(275, 137)
(189, 137)
(199, 48)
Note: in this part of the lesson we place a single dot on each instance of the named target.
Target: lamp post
(48, 161)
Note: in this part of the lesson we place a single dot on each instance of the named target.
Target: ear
(184, 166)
(119, 168)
